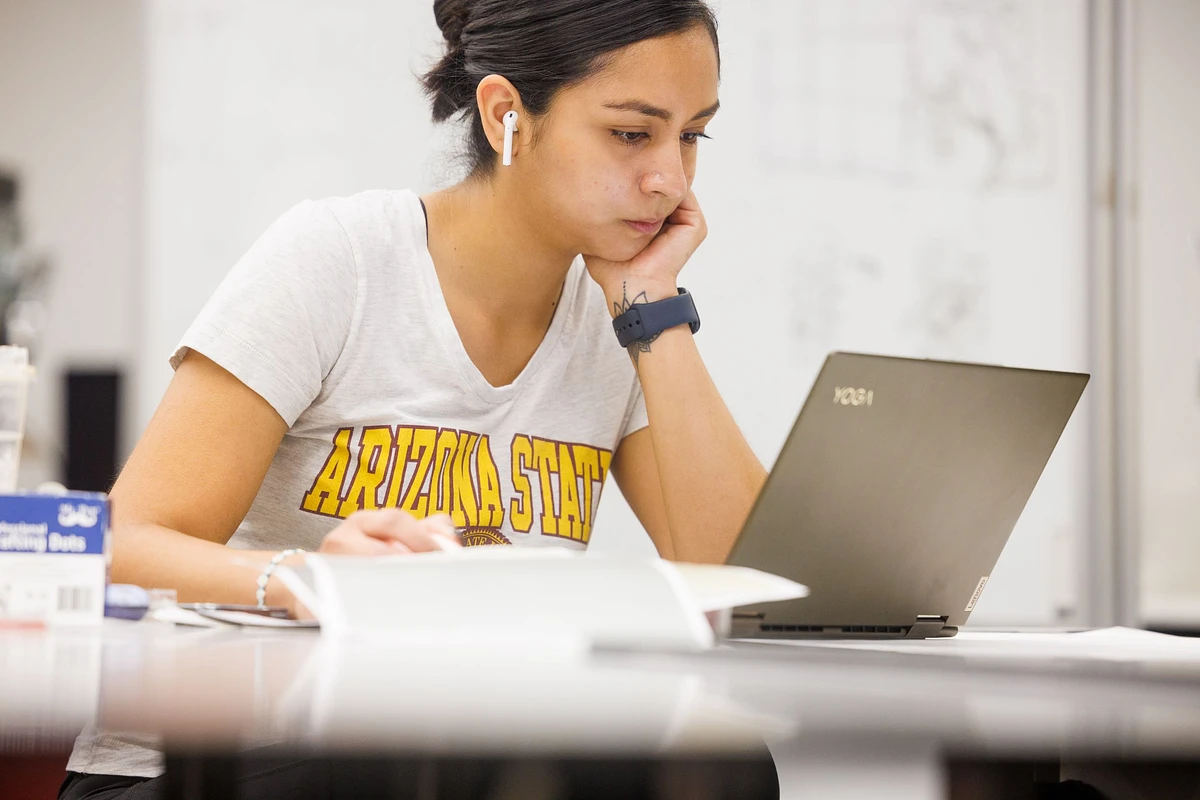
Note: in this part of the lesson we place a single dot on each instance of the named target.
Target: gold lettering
(545, 458)
(416, 498)
(491, 505)
(374, 451)
(403, 441)
(324, 496)
(466, 508)
(587, 462)
(520, 511)
(570, 521)
(441, 487)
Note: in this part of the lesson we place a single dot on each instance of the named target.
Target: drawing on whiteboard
(942, 90)
(834, 289)
(947, 318)
(980, 110)
(926, 302)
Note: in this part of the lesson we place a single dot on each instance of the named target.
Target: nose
(666, 175)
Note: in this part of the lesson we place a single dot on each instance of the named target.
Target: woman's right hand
(386, 532)
(390, 531)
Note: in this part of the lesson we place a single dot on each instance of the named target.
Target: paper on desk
(608, 600)
(1104, 644)
(216, 618)
(716, 587)
(181, 616)
(248, 620)
(1111, 644)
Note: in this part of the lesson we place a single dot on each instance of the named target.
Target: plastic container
(15, 377)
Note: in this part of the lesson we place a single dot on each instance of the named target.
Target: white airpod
(510, 127)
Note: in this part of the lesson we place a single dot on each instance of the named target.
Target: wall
(253, 107)
(71, 126)
(1166, 270)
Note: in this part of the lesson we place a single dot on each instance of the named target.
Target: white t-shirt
(336, 318)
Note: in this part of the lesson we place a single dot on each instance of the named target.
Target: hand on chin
(655, 267)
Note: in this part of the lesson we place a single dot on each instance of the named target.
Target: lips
(646, 227)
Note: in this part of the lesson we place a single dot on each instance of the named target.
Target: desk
(840, 721)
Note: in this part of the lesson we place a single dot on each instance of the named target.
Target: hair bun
(452, 17)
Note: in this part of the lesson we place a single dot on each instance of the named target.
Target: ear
(496, 96)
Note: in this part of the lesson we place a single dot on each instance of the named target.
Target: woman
(383, 371)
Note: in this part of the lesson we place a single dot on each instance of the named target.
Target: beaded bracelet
(260, 593)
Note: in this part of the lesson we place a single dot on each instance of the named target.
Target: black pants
(253, 778)
(259, 779)
(78, 786)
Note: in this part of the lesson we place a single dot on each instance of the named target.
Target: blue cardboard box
(54, 552)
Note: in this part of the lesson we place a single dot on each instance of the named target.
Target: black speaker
(93, 429)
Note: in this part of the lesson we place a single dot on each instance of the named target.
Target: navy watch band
(643, 321)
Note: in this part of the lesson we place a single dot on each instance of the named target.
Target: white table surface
(899, 706)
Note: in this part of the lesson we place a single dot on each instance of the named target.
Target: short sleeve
(635, 415)
(279, 320)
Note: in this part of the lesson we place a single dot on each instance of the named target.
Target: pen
(278, 612)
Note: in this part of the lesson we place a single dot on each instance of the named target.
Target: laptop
(895, 492)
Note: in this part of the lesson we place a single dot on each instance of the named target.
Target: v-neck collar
(440, 314)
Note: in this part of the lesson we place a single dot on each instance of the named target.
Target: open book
(550, 593)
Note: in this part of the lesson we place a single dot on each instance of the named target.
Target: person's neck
(491, 254)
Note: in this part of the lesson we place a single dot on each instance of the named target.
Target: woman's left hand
(653, 271)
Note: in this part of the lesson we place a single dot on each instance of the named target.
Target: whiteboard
(902, 177)
(891, 176)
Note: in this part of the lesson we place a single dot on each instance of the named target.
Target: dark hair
(541, 46)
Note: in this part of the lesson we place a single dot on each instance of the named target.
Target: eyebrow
(659, 113)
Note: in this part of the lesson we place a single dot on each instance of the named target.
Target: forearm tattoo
(620, 308)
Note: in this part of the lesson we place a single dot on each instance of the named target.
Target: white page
(1105, 644)
(716, 587)
(618, 601)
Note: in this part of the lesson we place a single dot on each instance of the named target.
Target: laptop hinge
(926, 626)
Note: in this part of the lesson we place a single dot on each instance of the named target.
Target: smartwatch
(645, 321)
